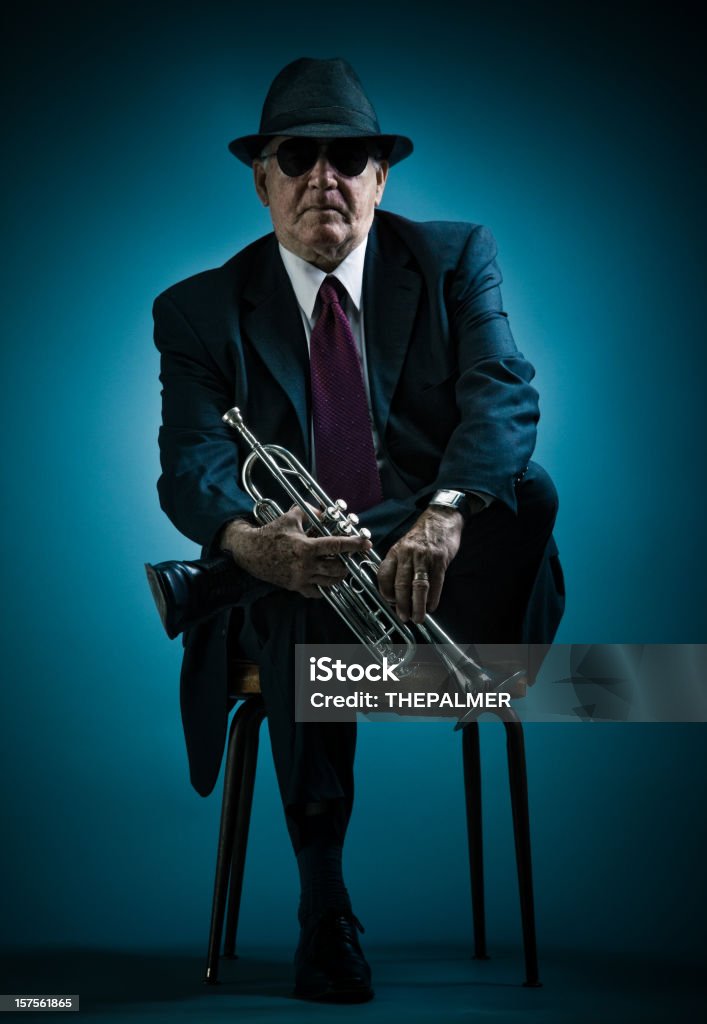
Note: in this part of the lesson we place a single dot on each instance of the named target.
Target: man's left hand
(412, 573)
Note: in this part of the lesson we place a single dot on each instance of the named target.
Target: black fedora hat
(319, 99)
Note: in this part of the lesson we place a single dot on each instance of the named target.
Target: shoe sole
(160, 598)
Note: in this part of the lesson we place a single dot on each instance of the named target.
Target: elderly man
(376, 349)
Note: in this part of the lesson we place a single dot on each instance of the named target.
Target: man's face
(320, 215)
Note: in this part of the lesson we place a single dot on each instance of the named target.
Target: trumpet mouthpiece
(233, 417)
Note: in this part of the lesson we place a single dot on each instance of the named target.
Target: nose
(322, 174)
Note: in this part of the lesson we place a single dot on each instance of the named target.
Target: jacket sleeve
(198, 487)
(497, 405)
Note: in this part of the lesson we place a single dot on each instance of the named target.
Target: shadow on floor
(412, 984)
(109, 978)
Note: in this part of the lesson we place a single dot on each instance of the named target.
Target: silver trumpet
(357, 598)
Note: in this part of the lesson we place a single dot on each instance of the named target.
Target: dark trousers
(504, 586)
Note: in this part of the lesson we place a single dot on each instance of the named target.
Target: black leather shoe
(329, 963)
(186, 592)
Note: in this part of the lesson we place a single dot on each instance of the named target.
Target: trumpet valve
(352, 518)
(341, 504)
(334, 513)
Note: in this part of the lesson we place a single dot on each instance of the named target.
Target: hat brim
(394, 148)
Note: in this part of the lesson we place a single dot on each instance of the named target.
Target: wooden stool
(239, 780)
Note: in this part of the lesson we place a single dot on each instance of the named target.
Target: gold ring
(421, 575)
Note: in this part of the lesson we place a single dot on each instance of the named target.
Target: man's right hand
(281, 552)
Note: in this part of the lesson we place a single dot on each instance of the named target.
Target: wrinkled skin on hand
(281, 553)
(429, 546)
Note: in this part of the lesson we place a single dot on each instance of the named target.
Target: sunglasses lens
(297, 156)
(349, 156)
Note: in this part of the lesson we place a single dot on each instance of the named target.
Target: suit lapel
(273, 327)
(273, 323)
(390, 296)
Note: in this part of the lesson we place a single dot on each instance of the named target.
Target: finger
(311, 528)
(320, 580)
(311, 518)
(420, 589)
(435, 591)
(323, 546)
(386, 577)
(403, 590)
(330, 570)
(299, 517)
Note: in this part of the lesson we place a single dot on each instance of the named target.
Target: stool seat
(246, 680)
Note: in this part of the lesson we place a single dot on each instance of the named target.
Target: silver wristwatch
(452, 499)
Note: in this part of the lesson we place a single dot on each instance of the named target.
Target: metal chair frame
(239, 782)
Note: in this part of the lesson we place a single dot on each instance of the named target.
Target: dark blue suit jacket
(451, 397)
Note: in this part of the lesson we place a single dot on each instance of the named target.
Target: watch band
(453, 499)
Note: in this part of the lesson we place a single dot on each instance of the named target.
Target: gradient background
(577, 135)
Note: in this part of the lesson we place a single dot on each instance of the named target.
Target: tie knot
(330, 291)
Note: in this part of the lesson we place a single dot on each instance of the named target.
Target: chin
(327, 239)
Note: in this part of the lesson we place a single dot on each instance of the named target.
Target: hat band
(321, 115)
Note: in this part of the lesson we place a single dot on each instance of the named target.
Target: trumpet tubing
(356, 598)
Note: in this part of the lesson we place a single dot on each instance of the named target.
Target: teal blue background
(575, 134)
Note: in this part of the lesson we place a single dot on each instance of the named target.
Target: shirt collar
(306, 278)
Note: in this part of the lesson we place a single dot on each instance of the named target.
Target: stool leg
(232, 775)
(251, 727)
(472, 792)
(518, 780)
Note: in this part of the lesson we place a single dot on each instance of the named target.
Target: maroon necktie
(343, 439)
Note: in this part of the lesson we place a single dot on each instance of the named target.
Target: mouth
(323, 209)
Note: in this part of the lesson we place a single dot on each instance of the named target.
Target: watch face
(447, 498)
(452, 499)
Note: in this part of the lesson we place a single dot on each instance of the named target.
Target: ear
(381, 178)
(260, 179)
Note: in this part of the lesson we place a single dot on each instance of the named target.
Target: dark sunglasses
(297, 156)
